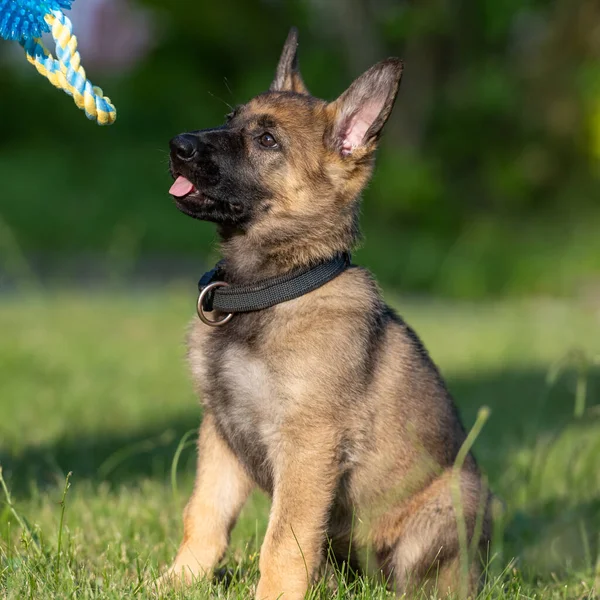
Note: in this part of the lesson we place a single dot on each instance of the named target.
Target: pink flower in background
(113, 35)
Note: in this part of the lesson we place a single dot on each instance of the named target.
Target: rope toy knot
(25, 21)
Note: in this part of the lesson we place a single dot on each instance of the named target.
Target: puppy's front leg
(222, 486)
(305, 478)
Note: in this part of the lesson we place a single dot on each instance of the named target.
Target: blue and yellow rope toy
(25, 21)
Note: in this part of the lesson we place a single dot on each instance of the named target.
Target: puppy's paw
(183, 572)
(272, 590)
(174, 577)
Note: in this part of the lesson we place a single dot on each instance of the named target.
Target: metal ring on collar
(200, 305)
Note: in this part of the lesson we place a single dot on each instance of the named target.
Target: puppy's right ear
(287, 76)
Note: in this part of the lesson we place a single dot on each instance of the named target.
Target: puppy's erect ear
(287, 76)
(360, 113)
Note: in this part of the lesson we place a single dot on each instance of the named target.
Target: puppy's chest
(243, 393)
(243, 387)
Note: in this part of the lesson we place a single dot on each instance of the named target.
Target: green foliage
(493, 146)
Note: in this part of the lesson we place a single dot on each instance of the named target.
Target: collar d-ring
(200, 305)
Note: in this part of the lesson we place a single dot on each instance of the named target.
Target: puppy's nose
(184, 146)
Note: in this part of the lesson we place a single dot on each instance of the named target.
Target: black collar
(217, 294)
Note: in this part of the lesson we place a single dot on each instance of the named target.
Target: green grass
(95, 384)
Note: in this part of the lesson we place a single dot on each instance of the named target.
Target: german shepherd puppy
(329, 402)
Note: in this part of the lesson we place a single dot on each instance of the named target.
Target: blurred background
(488, 182)
(481, 223)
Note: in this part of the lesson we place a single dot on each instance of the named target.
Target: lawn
(95, 384)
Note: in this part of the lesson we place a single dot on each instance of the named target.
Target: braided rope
(66, 72)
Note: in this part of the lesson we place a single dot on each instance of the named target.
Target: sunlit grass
(96, 384)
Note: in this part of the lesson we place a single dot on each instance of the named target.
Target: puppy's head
(286, 163)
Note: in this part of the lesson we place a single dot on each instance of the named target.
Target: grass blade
(60, 527)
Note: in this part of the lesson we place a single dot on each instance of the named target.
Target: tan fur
(328, 402)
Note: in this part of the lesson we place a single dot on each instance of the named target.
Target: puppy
(327, 401)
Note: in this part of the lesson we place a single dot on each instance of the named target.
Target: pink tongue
(181, 187)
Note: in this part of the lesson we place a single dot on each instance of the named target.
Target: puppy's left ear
(360, 113)
(287, 76)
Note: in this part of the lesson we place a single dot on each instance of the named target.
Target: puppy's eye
(267, 141)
